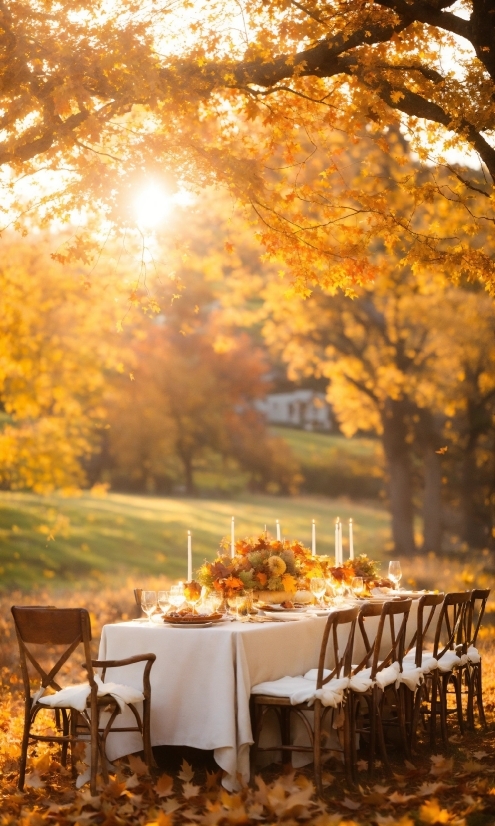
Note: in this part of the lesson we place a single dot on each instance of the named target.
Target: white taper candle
(189, 557)
(351, 541)
(341, 554)
(232, 539)
(337, 542)
(313, 538)
(278, 530)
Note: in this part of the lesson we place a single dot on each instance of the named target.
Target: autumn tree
(192, 393)
(58, 344)
(97, 98)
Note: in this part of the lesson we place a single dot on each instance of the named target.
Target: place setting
(266, 579)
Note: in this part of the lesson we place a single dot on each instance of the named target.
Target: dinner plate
(190, 624)
(278, 608)
(193, 620)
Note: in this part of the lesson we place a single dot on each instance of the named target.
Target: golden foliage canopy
(98, 96)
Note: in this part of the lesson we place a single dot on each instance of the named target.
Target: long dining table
(202, 678)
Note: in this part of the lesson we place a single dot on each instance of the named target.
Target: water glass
(164, 600)
(318, 588)
(357, 586)
(395, 572)
(215, 601)
(148, 603)
(176, 595)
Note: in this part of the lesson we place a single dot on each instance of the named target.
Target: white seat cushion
(303, 690)
(449, 661)
(361, 681)
(76, 696)
(411, 677)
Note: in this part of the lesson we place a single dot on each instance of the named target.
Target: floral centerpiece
(260, 564)
(361, 566)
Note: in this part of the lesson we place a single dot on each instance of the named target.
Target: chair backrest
(450, 633)
(389, 613)
(66, 627)
(475, 613)
(427, 606)
(332, 650)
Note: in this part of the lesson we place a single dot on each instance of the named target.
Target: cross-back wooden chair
(427, 607)
(449, 645)
(417, 654)
(70, 629)
(474, 616)
(379, 655)
(335, 662)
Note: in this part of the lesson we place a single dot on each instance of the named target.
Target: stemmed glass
(357, 586)
(318, 588)
(192, 599)
(176, 595)
(164, 600)
(148, 603)
(395, 573)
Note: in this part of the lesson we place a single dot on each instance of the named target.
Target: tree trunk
(189, 474)
(398, 461)
(474, 529)
(429, 441)
(432, 500)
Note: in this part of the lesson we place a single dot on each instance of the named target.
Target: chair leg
(352, 711)
(457, 679)
(73, 734)
(148, 751)
(24, 747)
(443, 685)
(372, 744)
(65, 732)
(317, 747)
(433, 708)
(479, 695)
(348, 735)
(256, 719)
(379, 728)
(285, 733)
(94, 747)
(402, 699)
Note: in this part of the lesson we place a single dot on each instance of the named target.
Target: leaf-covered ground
(454, 786)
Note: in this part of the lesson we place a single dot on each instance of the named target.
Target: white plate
(189, 624)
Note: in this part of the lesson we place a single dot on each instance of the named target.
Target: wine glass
(164, 600)
(357, 586)
(176, 595)
(148, 603)
(192, 598)
(215, 600)
(318, 588)
(395, 573)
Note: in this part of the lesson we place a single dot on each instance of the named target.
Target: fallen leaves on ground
(453, 786)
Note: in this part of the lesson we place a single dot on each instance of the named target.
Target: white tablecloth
(202, 678)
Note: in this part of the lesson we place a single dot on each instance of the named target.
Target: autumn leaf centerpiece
(361, 566)
(260, 564)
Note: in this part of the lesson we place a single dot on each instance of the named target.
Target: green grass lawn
(335, 466)
(89, 539)
(308, 445)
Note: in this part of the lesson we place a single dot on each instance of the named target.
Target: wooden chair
(473, 670)
(333, 664)
(70, 629)
(448, 646)
(373, 664)
(417, 654)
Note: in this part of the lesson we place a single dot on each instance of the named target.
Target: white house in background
(299, 408)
